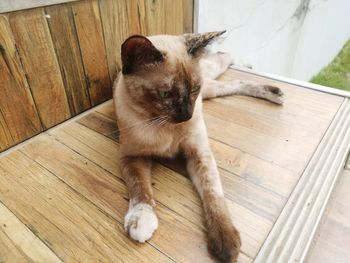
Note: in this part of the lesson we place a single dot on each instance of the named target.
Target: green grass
(337, 73)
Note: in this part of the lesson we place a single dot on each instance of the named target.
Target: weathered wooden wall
(57, 61)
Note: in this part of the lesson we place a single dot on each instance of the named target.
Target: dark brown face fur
(168, 93)
(163, 87)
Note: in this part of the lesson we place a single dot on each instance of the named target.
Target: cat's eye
(164, 94)
(195, 89)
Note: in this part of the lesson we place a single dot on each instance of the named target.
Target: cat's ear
(138, 51)
(196, 43)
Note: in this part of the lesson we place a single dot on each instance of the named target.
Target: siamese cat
(158, 99)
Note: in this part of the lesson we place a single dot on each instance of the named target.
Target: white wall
(293, 38)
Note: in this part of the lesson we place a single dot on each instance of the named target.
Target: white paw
(273, 94)
(140, 222)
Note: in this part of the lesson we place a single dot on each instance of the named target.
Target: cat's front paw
(140, 222)
(273, 94)
(224, 242)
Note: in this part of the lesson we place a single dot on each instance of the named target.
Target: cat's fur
(176, 68)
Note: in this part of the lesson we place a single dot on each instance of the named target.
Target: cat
(158, 99)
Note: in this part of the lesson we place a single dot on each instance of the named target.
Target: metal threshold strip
(290, 238)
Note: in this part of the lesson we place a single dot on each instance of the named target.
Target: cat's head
(161, 73)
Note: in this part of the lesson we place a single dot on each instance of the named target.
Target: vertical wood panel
(5, 136)
(40, 64)
(187, 9)
(18, 114)
(89, 29)
(56, 65)
(155, 17)
(168, 17)
(116, 30)
(173, 17)
(137, 15)
(62, 28)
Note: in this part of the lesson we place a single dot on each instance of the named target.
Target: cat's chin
(180, 120)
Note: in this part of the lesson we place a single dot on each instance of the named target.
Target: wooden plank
(36, 50)
(137, 17)
(101, 124)
(53, 211)
(115, 25)
(168, 17)
(108, 110)
(89, 29)
(65, 40)
(18, 119)
(18, 243)
(10, 5)
(108, 192)
(155, 17)
(180, 197)
(188, 15)
(253, 169)
(5, 136)
(173, 17)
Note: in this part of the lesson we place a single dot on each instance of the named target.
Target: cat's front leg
(140, 221)
(216, 88)
(223, 239)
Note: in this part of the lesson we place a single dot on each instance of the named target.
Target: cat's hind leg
(213, 65)
(140, 221)
(215, 88)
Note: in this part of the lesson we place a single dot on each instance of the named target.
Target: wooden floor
(332, 241)
(62, 197)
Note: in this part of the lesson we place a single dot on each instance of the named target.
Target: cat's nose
(184, 113)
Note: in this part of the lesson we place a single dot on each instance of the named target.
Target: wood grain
(108, 192)
(155, 17)
(188, 15)
(37, 53)
(89, 29)
(73, 228)
(10, 5)
(65, 40)
(180, 197)
(18, 116)
(168, 17)
(173, 14)
(266, 128)
(116, 30)
(137, 15)
(5, 136)
(18, 243)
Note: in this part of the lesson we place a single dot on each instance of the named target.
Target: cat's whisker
(138, 123)
(144, 124)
